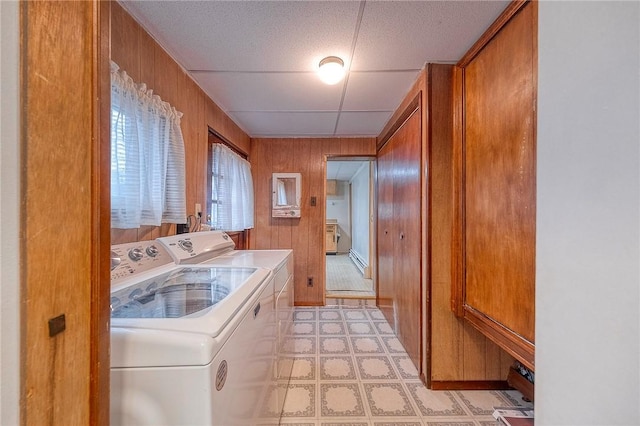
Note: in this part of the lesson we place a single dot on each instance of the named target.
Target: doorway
(349, 227)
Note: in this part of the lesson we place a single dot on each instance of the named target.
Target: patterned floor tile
(375, 367)
(366, 345)
(299, 345)
(434, 403)
(388, 399)
(337, 368)
(405, 367)
(303, 328)
(341, 399)
(300, 401)
(333, 345)
(331, 328)
(491, 422)
(360, 327)
(376, 315)
(481, 403)
(349, 369)
(304, 314)
(354, 315)
(330, 315)
(304, 368)
(383, 327)
(393, 345)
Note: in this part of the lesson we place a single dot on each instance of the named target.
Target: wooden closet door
(385, 282)
(406, 234)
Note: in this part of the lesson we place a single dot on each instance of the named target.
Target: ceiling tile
(270, 91)
(370, 91)
(406, 34)
(362, 123)
(250, 35)
(275, 124)
(343, 170)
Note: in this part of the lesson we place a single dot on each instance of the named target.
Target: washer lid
(195, 299)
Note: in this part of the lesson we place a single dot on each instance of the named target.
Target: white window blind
(231, 190)
(147, 156)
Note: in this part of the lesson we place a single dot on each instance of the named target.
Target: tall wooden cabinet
(399, 238)
(496, 175)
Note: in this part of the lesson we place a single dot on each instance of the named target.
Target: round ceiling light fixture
(331, 69)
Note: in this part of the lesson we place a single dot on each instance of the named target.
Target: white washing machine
(192, 342)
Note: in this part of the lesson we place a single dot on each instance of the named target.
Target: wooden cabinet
(496, 162)
(332, 187)
(331, 239)
(399, 237)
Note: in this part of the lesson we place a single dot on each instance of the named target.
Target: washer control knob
(186, 245)
(152, 251)
(136, 254)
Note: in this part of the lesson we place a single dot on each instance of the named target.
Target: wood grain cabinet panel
(399, 237)
(498, 168)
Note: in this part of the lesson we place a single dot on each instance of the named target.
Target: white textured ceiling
(257, 59)
(343, 170)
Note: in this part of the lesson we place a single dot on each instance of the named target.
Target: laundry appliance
(197, 334)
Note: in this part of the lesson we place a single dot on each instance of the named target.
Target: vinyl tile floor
(350, 369)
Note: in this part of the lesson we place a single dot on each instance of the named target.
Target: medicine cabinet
(286, 188)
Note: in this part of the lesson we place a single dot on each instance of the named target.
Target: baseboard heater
(357, 260)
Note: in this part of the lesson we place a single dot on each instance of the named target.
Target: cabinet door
(406, 235)
(399, 237)
(385, 231)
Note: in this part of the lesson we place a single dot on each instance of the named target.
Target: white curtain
(147, 156)
(232, 190)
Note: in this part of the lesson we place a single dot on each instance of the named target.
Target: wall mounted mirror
(286, 188)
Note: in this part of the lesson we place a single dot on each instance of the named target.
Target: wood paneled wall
(64, 236)
(304, 235)
(495, 165)
(133, 49)
(459, 353)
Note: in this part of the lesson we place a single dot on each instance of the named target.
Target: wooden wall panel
(494, 173)
(304, 235)
(64, 234)
(135, 51)
(459, 353)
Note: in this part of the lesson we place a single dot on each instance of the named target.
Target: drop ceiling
(257, 59)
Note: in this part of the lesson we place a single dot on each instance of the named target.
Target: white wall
(9, 214)
(360, 212)
(588, 280)
(338, 207)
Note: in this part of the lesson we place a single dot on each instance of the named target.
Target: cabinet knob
(402, 236)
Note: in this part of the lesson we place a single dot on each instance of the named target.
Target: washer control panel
(132, 258)
(197, 247)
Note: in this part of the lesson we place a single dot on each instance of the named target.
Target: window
(231, 190)
(147, 157)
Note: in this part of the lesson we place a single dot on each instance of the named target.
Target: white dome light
(331, 70)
